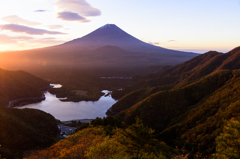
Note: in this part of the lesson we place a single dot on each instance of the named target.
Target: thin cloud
(22, 38)
(54, 26)
(27, 30)
(70, 16)
(48, 41)
(4, 40)
(154, 43)
(41, 10)
(172, 41)
(78, 9)
(17, 20)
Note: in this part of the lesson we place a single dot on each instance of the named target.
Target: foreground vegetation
(108, 138)
(25, 129)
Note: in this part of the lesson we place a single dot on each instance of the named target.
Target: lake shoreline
(24, 101)
(77, 120)
(84, 111)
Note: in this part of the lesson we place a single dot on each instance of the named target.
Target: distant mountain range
(108, 46)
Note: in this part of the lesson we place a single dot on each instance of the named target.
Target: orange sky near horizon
(197, 26)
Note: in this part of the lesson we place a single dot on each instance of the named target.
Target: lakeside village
(67, 128)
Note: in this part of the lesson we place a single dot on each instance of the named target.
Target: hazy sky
(194, 25)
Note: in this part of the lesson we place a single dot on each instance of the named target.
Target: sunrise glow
(181, 25)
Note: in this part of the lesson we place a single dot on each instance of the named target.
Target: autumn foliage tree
(136, 141)
(228, 142)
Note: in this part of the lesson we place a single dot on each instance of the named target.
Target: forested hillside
(187, 104)
(108, 138)
(186, 72)
(25, 129)
(19, 84)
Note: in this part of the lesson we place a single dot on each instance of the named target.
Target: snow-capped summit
(108, 26)
(111, 34)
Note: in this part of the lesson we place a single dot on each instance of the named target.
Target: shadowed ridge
(186, 66)
(19, 84)
(188, 71)
(180, 74)
(193, 63)
(235, 50)
(233, 60)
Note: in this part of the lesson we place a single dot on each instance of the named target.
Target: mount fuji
(112, 35)
(106, 47)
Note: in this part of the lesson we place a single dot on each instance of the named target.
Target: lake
(66, 111)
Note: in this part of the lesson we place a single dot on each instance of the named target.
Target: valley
(160, 103)
(104, 79)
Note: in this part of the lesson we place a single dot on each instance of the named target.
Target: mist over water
(65, 111)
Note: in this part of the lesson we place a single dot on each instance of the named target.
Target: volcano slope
(79, 64)
(106, 47)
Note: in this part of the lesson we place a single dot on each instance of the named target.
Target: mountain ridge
(189, 110)
(19, 84)
(188, 71)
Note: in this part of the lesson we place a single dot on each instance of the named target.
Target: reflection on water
(65, 111)
(56, 85)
